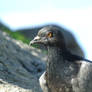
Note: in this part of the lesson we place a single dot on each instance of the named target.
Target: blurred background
(18, 16)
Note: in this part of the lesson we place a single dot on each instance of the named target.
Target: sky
(75, 15)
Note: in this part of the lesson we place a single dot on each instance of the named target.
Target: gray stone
(20, 66)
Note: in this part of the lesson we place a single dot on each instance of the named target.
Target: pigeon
(62, 67)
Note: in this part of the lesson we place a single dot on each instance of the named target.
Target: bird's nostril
(35, 39)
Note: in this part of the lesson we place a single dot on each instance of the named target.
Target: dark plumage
(62, 66)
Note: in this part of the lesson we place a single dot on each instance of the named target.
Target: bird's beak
(35, 40)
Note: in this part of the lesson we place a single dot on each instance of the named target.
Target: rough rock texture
(20, 66)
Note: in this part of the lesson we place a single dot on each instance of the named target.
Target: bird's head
(49, 36)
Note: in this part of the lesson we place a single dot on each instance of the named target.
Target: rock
(20, 66)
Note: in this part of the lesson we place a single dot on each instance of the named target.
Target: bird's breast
(60, 71)
(60, 75)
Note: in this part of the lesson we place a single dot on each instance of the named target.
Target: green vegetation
(18, 36)
(15, 35)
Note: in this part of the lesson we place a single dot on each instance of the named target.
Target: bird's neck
(58, 67)
(54, 53)
(55, 59)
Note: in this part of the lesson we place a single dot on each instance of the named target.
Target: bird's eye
(50, 34)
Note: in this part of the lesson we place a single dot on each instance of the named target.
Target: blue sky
(75, 15)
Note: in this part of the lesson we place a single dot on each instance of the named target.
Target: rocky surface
(20, 66)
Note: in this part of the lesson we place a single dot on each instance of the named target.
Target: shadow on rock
(20, 66)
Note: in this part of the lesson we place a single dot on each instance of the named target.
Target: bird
(62, 66)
